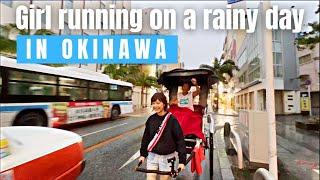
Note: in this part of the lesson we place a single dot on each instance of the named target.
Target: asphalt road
(109, 145)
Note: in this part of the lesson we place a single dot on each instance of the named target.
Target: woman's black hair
(187, 81)
(161, 97)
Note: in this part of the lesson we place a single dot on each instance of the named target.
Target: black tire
(115, 112)
(32, 118)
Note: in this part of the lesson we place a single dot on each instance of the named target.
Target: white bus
(40, 95)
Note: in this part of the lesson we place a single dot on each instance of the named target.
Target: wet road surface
(110, 144)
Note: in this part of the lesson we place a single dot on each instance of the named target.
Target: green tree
(309, 39)
(145, 82)
(223, 69)
(132, 74)
(9, 28)
(122, 72)
(43, 32)
(8, 46)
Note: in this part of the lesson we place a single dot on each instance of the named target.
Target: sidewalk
(297, 149)
(227, 112)
(140, 112)
(221, 157)
(221, 160)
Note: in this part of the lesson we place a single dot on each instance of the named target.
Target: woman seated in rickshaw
(186, 97)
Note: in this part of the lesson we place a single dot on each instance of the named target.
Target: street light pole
(269, 84)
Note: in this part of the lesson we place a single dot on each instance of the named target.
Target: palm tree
(43, 32)
(122, 72)
(145, 82)
(132, 74)
(223, 70)
(8, 46)
(309, 39)
(8, 28)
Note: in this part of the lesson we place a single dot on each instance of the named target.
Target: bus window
(72, 82)
(98, 85)
(113, 87)
(98, 94)
(74, 93)
(22, 88)
(127, 93)
(121, 93)
(31, 77)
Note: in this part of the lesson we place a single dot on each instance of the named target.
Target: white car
(40, 153)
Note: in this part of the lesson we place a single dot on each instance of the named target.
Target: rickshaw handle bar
(172, 174)
(190, 157)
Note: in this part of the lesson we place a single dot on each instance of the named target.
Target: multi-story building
(309, 75)
(250, 81)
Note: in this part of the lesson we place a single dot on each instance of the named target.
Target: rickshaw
(190, 121)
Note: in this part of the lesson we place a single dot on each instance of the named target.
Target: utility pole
(269, 84)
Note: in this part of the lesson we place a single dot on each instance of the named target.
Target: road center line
(112, 139)
(103, 129)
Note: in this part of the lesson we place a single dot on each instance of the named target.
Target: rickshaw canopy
(179, 76)
(175, 78)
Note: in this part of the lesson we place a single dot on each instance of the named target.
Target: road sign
(305, 102)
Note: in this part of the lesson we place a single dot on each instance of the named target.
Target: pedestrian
(185, 98)
(162, 139)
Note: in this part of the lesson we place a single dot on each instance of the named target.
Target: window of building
(7, 3)
(277, 64)
(276, 35)
(242, 78)
(242, 59)
(305, 59)
(254, 70)
(66, 29)
(68, 4)
(276, 46)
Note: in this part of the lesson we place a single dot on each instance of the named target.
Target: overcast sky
(201, 46)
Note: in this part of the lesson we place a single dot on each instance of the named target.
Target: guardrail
(262, 174)
(235, 141)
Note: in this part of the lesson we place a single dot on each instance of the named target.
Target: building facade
(250, 81)
(309, 75)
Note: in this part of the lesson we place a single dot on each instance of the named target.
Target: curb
(224, 163)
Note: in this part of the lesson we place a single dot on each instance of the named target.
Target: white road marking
(104, 129)
(135, 156)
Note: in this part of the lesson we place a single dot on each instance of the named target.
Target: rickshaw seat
(190, 122)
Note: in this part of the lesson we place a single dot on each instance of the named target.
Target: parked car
(29, 152)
